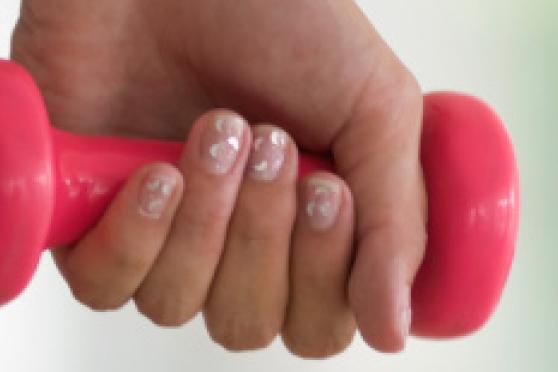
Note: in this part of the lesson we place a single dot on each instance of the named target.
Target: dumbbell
(55, 185)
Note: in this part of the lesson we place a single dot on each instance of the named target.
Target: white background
(472, 46)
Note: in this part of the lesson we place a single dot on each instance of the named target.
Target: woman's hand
(204, 232)
(216, 234)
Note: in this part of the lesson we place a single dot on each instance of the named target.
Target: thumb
(378, 154)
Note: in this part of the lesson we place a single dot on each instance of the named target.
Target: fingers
(128, 253)
(108, 265)
(319, 321)
(361, 102)
(213, 164)
(246, 306)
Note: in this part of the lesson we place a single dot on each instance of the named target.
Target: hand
(318, 70)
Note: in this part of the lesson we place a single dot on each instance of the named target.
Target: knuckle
(92, 292)
(399, 96)
(243, 335)
(410, 102)
(320, 346)
(165, 313)
(253, 227)
(96, 298)
(203, 219)
(253, 224)
(123, 251)
(259, 234)
(256, 237)
(127, 261)
(403, 90)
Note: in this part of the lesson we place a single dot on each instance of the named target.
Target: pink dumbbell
(54, 186)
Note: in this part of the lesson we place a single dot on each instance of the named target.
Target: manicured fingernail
(322, 203)
(268, 153)
(155, 194)
(405, 312)
(221, 142)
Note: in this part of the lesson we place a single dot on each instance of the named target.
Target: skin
(317, 69)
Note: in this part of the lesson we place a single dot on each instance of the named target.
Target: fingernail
(155, 194)
(221, 142)
(322, 203)
(405, 312)
(268, 153)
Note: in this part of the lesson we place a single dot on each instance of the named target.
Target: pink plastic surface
(54, 186)
(473, 190)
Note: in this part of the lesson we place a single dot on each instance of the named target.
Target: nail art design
(268, 153)
(322, 206)
(155, 194)
(220, 143)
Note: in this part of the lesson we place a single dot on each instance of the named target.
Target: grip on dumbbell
(54, 186)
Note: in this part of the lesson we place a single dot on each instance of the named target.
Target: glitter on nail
(267, 155)
(310, 208)
(153, 185)
(219, 124)
(234, 142)
(261, 167)
(326, 209)
(166, 189)
(155, 206)
(155, 195)
(214, 150)
(221, 142)
(322, 203)
(278, 138)
(320, 190)
(236, 124)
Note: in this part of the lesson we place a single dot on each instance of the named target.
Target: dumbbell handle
(90, 171)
